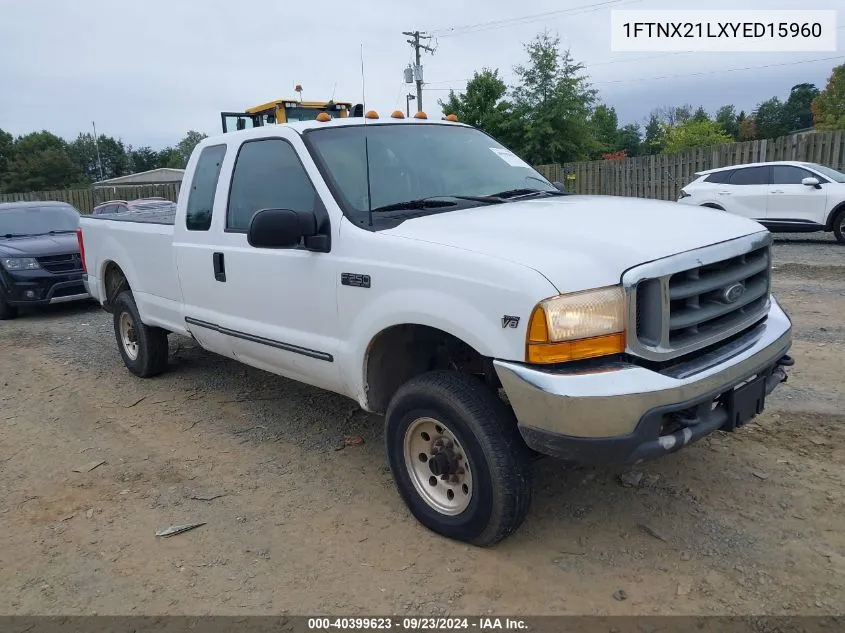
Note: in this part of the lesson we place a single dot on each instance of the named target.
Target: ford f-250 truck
(425, 271)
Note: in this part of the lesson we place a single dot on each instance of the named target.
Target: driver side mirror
(284, 228)
(811, 181)
(559, 186)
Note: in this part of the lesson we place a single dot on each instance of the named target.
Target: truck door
(194, 243)
(281, 308)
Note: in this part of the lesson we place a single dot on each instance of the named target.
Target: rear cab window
(203, 188)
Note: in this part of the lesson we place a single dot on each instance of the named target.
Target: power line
(683, 75)
(716, 72)
(525, 19)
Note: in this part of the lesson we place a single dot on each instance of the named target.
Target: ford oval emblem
(732, 293)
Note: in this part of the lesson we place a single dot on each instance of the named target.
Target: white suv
(784, 196)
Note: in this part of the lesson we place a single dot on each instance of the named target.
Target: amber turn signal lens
(547, 353)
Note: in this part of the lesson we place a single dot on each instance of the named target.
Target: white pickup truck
(423, 270)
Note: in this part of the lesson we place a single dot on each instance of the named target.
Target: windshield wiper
(525, 191)
(420, 203)
(434, 201)
(51, 232)
(17, 235)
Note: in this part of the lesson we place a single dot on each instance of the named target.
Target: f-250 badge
(510, 321)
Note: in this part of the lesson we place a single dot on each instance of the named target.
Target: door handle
(219, 266)
(776, 191)
(724, 193)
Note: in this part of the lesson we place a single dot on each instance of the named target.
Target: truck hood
(39, 245)
(579, 242)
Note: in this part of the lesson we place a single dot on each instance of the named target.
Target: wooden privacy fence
(659, 176)
(662, 176)
(86, 199)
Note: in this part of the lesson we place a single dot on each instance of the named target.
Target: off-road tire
(151, 357)
(838, 222)
(487, 431)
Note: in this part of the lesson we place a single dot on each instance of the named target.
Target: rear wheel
(839, 226)
(143, 348)
(7, 311)
(457, 457)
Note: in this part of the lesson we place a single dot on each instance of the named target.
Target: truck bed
(151, 216)
(140, 243)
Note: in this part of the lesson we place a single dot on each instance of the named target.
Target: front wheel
(143, 348)
(457, 457)
(839, 226)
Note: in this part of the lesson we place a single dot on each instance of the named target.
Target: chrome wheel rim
(438, 466)
(127, 336)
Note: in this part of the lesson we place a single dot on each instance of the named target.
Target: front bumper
(40, 287)
(626, 413)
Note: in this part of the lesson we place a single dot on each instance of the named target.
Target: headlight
(577, 325)
(19, 263)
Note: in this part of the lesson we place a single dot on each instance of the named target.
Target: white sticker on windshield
(509, 157)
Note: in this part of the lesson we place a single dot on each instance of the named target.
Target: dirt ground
(296, 522)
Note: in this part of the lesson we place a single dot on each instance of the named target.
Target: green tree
(769, 119)
(7, 146)
(700, 114)
(143, 158)
(694, 134)
(112, 156)
(554, 99)
(606, 128)
(728, 120)
(170, 157)
(483, 105)
(40, 161)
(629, 139)
(829, 106)
(187, 145)
(747, 129)
(797, 114)
(655, 136)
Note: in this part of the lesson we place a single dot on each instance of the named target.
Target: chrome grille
(689, 301)
(72, 262)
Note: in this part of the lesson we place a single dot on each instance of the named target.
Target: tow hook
(779, 374)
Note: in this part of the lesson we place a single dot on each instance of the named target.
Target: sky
(147, 71)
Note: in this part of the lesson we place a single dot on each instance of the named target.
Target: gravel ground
(752, 522)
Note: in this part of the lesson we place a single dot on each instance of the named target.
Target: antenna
(366, 141)
(333, 91)
(97, 145)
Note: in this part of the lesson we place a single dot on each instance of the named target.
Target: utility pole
(408, 99)
(415, 42)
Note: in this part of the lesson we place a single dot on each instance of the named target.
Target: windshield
(417, 161)
(834, 175)
(38, 220)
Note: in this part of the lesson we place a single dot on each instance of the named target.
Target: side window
(750, 176)
(788, 175)
(267, 175)
(203, 186)
(719, 177)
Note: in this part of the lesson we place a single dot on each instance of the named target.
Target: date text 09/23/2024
(416, 623)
